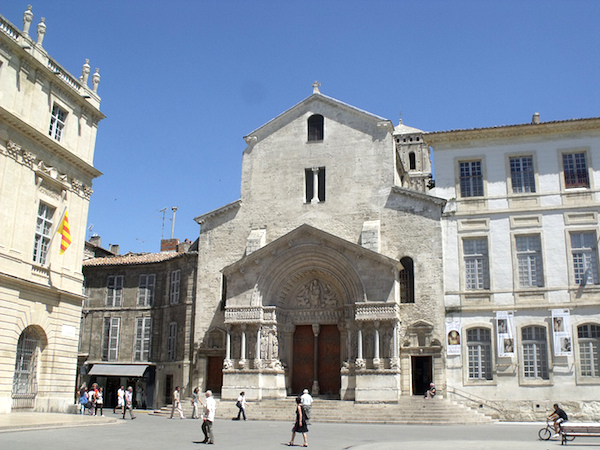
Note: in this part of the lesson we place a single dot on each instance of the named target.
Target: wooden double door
(317, 357)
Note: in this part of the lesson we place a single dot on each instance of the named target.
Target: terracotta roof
(132, 258)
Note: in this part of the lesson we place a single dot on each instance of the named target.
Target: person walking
(120, 395)
(299, 425)
(176, 404)
(83, 399)
(92, 399)
(196, 403)
(99, 402)
(128, 403)
(241, 404)
(210, 408)
(307, 401)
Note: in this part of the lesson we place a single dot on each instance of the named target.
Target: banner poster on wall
(561, 329)
(453, 338)
(504, 333)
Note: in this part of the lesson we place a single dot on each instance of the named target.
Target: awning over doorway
(118, 370)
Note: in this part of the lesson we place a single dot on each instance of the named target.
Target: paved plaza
(153, 432)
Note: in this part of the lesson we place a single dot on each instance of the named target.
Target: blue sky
(184, 81)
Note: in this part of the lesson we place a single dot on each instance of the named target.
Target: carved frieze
(316, 294)
(13, 149)
(87, 192)
(28, 158)
(248, 314)
(376, 311)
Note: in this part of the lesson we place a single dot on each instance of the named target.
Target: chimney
(536, 118)
(169, 245)
(95, 240)
(114, 248)
(184, 246)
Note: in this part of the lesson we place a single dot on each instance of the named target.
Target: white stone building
(326, 274)
(48, 124)
(521, 282)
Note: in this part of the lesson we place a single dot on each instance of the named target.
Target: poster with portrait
(453, 338)
(561, 331)
(504, 333)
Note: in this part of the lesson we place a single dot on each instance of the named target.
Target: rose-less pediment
(311, 269)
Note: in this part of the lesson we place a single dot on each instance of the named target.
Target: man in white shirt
(128, 406)
(120, 395)
(209, 417)
(306, 404)
(176, 404)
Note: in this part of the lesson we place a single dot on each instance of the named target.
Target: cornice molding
(513, 131)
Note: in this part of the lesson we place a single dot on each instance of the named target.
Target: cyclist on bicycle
(559, 416)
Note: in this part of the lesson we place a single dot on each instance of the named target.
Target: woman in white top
(241, 404)
(99, 401)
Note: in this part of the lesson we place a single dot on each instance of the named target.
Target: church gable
(316, 110)
(319, 150)
(310, 269)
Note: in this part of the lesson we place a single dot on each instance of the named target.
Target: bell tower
(413, 163)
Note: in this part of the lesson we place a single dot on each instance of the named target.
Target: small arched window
(315, 127)
(407, 281)
(412, 160)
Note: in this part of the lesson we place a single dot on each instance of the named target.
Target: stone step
(410, 410)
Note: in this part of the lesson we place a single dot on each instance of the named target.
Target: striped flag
(65, 234)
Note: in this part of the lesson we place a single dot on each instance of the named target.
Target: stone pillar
(243, 347)
(315, 174)
(315, 387)
(228, 363)
(376, 358)
(395, 362)
(360, 362)
(257, 362)
(349, 344)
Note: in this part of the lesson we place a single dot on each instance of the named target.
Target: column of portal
(228, 363)
(257, 361)
(376, 359)
(360, 362)
(243, 348)
(315, 387)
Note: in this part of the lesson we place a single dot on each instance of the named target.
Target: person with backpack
(83, 399)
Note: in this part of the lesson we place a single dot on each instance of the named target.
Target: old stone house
(137, 323)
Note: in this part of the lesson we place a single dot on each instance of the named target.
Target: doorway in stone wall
(328, 360)
(422, 374)
(214, 374)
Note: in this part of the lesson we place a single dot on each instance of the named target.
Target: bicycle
(547, 432)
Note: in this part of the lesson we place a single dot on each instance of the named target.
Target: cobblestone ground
(151, 432)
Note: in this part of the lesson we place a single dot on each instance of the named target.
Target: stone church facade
(327, 273)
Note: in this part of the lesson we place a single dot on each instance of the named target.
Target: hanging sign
(453, 338)
(504, 333)
(561, 331)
